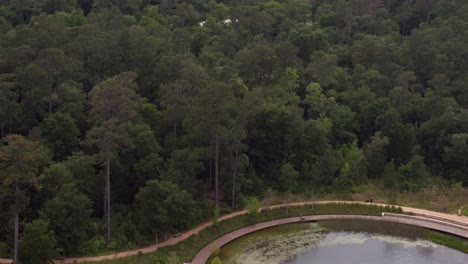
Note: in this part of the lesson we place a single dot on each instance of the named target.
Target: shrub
(216, 260)
(252, 205)
(37, 244)
(215, 215)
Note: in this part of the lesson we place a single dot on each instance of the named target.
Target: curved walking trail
(461, 221)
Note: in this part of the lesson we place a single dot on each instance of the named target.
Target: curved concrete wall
(206, 252)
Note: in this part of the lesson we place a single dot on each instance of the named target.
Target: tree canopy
(142, 116)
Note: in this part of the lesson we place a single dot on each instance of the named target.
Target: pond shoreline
(207, 251)
(282, 243)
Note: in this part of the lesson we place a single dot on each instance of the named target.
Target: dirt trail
(196, 230)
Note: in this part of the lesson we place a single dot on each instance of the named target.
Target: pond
(340, 242)
(352, 247)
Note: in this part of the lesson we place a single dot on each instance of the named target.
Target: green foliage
(344, 124)
(223, 98)
(390, 178)
(61, 134)
(53, 178)
(356, 162)
(69, 215)
(457, 187)
(163, 207)
(271, 132)
(20, 160)
(252, 205)
(412, 176)
(216, 260)
(317, 103)
(456, 155)
(81, 166)
(376, 155)
(344, 184)
(465, 211)
(447, 240)
(215, 214)
(288, 179)
(173, 259)
(38, 244)
(113, 105)
(182, 166)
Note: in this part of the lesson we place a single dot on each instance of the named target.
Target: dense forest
(124, 121)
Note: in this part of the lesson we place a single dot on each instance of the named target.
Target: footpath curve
(462, 220)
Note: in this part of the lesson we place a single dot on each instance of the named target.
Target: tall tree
(178, 95)
(113, 104)
(236, 145)
(209, 119)
(20, 160)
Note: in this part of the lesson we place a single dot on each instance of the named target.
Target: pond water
(326, 244)
(364, 248)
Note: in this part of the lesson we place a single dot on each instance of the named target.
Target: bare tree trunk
(216, 169)
(234, 182)
(108, 206)
(16, 236)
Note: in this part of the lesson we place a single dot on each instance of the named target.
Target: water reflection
(364, 248)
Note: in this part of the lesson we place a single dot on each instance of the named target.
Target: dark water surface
(364, 248)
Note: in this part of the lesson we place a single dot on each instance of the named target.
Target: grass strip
(450, 241)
